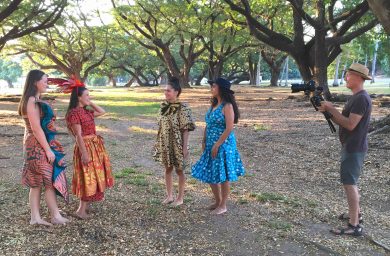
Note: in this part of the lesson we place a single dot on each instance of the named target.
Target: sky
(104, 7)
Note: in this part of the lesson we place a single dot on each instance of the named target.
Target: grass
(369, 88)
(124, 173)
(155, 188)
(130, 176)
(278, 198)
(279, 224)
(125, 103)
(138, 180)
(261, 127)
(268, 197)
(138, 129)
(129, 108)
(242, 201)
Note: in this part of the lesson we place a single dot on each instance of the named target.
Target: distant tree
(72, 46)
(19, 18)
(10, 71)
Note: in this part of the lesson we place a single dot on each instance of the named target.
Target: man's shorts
(351, 166)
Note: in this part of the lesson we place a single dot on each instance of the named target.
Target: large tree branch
(347, 38)
(353, 18)
(41, 66)
(347, 14)
(12, 7)
(17, 31)
(260, 31)
(305, 16)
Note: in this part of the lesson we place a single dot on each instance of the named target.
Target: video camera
(315, 93)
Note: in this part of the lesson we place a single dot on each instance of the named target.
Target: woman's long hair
(227, 97)
(30, 89)
(74, 98)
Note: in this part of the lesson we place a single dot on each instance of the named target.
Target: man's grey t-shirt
(356, 140)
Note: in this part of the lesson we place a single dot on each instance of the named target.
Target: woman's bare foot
(167, 200)
(89, 208)
(219, 210)
(40, 222)
(177, 202)
(213, 206)
(59, 220)
(81, 215)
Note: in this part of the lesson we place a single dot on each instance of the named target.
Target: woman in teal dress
(220, 162)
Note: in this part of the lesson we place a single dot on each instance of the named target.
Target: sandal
(344, 216)
(351, 230)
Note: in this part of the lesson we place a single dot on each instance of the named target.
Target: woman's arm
(229, 120)
(185, 135)
(98, 111)
(76, 128)
(34, 117)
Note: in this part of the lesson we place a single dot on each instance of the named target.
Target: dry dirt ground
(285, 204)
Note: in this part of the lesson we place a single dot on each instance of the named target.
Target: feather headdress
(66, 85)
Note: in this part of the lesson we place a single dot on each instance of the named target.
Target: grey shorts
(351, 167)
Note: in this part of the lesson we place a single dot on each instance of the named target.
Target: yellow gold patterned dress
(173, 118)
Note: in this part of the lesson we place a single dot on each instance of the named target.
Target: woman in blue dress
(220, 162)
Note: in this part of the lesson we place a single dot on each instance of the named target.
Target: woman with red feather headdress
(91, 165)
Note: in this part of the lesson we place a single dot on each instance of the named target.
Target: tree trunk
(173, 69)
(275, 64)
(252, 69)
(239, 78)
(130, 82)
(10, 85)
(286, 73)
(184, 80)
(275, 72)
(381, 9)
(373, 68)
(164, 79)
(200, 77)
(304, 67)
(336, 72)
(321, 60)
(112, 80)
(215, 69)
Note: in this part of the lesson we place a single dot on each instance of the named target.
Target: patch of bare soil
(285, 204)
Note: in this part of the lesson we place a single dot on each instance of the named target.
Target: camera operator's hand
(325, 106)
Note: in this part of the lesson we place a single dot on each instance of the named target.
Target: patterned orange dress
(37, 171)
(89, 182)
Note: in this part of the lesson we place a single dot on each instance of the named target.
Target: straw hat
(360, 70)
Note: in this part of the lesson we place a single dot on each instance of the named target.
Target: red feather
(66, 85)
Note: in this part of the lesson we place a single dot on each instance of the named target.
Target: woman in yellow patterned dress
(171, 148)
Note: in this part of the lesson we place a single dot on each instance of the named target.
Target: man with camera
(353, 122)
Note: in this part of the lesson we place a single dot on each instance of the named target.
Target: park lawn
(120, 102)
(370, 89)
(127, 103)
